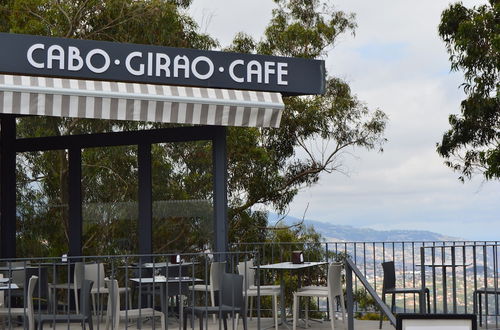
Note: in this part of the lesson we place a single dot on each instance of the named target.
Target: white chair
(331, 291)
(130, 314)
(96, 273)
(217, 269)
(2, 297)
(251, 290)
(21, 311)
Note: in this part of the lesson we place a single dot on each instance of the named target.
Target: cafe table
(444, 267)
(172, 286)
(281, 267)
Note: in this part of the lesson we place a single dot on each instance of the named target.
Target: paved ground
(265, 323)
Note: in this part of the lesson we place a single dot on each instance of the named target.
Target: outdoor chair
(117, 314)
(231, 301)
(331, 292)
(22, 311)
(478, 302)
(94, 272)
(389, 287)
(41, 296)
(85, 315)
(217, 269)
(251, 290)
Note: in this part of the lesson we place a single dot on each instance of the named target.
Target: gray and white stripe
(142, 102)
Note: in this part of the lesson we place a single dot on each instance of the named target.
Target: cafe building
(204, 92)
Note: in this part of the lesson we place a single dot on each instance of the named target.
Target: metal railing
(350, 269)
(407, 256)
(150, 285)
(463, 279)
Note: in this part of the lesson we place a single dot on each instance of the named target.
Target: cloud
(397, 63)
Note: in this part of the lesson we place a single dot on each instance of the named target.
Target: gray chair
(21, 311)
(232, 303)
(389, 287)
(85, 315)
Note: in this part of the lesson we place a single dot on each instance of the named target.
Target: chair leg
(251, 307)
(343, 308)
(381, 315)
(275, 311)
(295, 310)
(331, 311)
(184, 322)
(393, 303)
(306, 319)
(428, 301)
(480, 309)
(224, 320)
(212, 299)
(244, 321)
(93, 304)
(162, 321)
(201, 321)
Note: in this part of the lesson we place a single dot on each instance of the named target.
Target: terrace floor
(266, 323)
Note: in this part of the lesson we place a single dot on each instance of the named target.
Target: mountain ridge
(333, 232)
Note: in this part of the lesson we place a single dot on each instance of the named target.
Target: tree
(264, 164)
(472, 38)
(321, 128)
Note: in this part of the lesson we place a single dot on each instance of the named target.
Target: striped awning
(60, 97)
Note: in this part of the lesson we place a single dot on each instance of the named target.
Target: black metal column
(220, 189)
(75, 225)
(145, 199)
(8, 187)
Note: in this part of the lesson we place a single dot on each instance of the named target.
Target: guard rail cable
(352, 268)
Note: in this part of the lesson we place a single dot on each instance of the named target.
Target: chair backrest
(217, 269)
(85, 298)
(231, 291)
(245, 269)
(389, 275)
(29, 309)
(95, 273)
(41, 290)
(18, 276)
(334, 280)
(114, 303)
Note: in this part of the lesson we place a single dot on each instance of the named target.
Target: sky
(395, 62)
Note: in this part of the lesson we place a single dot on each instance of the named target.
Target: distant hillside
(332, 232)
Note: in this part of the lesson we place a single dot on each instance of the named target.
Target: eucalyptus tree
(472, 38)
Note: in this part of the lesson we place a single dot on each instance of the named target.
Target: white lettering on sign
(71, 58)
(74, 55)
(31, 61)
(231, 71)
(162, 64)
(55, 53)
(184, 65)
(88, 60)
(210, 71)
(128, 60)
(255, 72)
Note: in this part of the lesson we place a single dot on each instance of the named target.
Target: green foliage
(472, 38)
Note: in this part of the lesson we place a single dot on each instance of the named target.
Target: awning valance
(28, 95)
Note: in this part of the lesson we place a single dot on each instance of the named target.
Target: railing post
(422, 274)
(349, 296)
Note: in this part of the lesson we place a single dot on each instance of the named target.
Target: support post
(220, 190)
(349, 297)
(8, 186)
(145, 200)
(75, 228)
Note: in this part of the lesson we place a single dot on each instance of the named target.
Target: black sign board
(100, 60)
